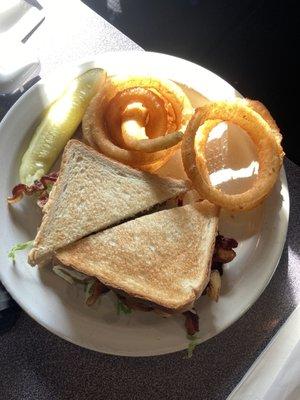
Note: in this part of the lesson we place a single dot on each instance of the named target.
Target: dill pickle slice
(58, 125)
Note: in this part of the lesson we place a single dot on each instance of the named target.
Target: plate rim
(82, 342)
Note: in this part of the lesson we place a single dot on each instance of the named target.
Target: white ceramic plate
(60, 307)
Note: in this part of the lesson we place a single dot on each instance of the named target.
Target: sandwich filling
(223, 253)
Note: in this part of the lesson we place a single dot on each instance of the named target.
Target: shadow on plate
(26, 216)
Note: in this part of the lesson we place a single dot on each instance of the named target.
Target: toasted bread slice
(164, 258)
(92, 193)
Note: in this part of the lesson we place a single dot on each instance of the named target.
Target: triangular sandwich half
(161, 259)
(92, 193)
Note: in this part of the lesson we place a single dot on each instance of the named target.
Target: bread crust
(163, 258)
(92, 193)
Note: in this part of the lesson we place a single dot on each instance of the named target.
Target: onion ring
(156, 124)
(157, 115)
(265, 114)
(262, 132)
(137, 120)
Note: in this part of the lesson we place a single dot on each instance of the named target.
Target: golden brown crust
(164, 258)
(267, 141)
(92, 193)
(102, 121)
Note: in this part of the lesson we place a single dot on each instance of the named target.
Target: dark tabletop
(35, 364)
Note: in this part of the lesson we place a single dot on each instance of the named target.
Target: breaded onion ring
(264, 134)
(265, 114)
(156, 125)
(137, 120)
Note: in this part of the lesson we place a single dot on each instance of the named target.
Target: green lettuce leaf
(122, 308)
(192, 345)
(19, 247)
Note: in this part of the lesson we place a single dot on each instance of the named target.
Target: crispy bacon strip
(39, 186)
(43, 198)
(97, 290)
(224, 252)
(226, 243)
(218, 266)
(191, 322)
(224, 256)
(50, 178)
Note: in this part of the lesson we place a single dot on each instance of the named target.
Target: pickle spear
(59, 125)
